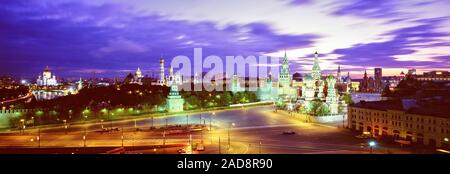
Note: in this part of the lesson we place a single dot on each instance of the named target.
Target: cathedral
(47, 79)
(168, 80)
(137, 78)
(313, 90)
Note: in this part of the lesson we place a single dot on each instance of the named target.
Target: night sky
(114, 37)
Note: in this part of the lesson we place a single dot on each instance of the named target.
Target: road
(251, 130)
(30, 94)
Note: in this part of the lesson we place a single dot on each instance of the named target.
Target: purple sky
(114, 37)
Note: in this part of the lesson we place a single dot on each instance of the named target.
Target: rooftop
(436, 108)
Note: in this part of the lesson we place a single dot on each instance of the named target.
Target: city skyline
(113, 38)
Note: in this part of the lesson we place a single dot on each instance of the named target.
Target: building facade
(398, 121)
(372, 84)
(47, 79)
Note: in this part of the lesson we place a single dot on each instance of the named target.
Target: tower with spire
(284, 80)
(338, 75)
(285, 75)
(313, 91)
(316, 72)
(161, 80)
(80, 84)
(175, 102)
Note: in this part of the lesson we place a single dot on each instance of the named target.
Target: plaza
(250, 130)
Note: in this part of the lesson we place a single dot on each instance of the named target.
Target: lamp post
(39, 138)
(152, 123)
(260, 143)
(22, 128)
(190, 143)
(229, 139)
(372, 144)
(164, 138)
(84, 137)
(187, 120)
(122, 135)
(220, 148)
(210, 121)
(201, 134)
(65, 126)
(166, 123)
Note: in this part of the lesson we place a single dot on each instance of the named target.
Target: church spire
(285, 58)
(316, 62)
(316, 72)
(338, 76)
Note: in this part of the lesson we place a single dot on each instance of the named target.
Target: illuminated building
(372, 84)
(137, 78)
(405, 121)
(236, 84)
(175, 102)
(313, 91)
(285, 89)
(176, 79)
(162, 80)
(434, 76)
(265, 91)
(46, 79)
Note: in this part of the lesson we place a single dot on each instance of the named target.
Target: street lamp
(210, 120)
(220, 147)
(372, 144)
(84, 137)
(23, 125)
(32, 118)
(164, 138)
(187, 121)
(229, 139)
(39, 137)
(122, 135)
(166, 123)
(65, 126)
(152, 123)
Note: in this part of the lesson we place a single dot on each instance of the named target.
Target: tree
(347, 98)
(318, 108)
(386, 91)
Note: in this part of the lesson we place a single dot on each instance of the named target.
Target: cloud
(122, 44)
(300, 2)
(368, 8)
(76, 36)
(402, 49)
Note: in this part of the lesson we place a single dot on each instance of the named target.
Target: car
(181, 151)
(200, 147)
(363, 136)
(288, 133)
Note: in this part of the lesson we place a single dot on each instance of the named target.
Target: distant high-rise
(338, 76)
(372, 84)
(161, 71)
(412, 71)
(378, 79)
